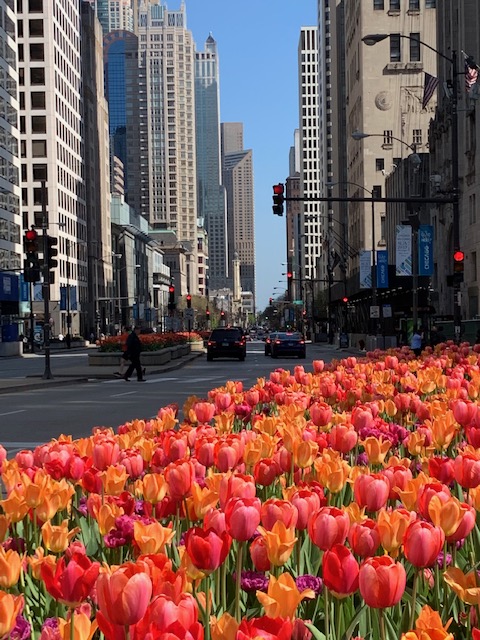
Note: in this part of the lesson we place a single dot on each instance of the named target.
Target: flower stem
(327, 614)
(238, 580)
(381, 621)
(414, 599)
(72, 624)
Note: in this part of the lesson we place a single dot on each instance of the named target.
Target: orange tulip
(464, 585)
(57, 538)
(35, 562)
(4, 525)
(391, 526)
(203, 499)
(153, 487)
(10, 567)
(114, 479)
(152, 538)
(123, 598)
(332, 473)
(49, 506)
(282, 597)
(429, 627)
(14, 506)
(446, 514)
(279, 542)
(10, 608)
(376, 449)
(304, 453)
(225, 628)
(106, 516)
(83, 627)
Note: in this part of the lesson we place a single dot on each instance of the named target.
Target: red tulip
(320, 414)
(204, 411)
(467, 470)
(236, 485)
(364, 538)
(206, 549)
(425, 494)
(371, 491)
(398, 476)
(265, 629)
(274, 509)
(422, 543)
(464, 412)
(340, 570)
(467, 523)
(342, 438)
(70, 583)
(259, 554)
(215, 519)
(306, 502)
(266, 471)
(123, 598)
(441, 469)
(105, 453)
(382, 581)
(328, 526)
(179, 476)
(242, 517)
(166, 616)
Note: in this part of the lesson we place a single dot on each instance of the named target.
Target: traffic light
(208, 313)
(171, 297)
(222, 314)
(52, 253)
(289, 276)
(458, 261)
(31, 264)
(345, 299)
(278, 199)
(189, 301)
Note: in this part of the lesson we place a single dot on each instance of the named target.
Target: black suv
(226, 342)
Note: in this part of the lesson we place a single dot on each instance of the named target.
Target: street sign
(300, 302)
(387, 310)
(374, 311)
(189, 314)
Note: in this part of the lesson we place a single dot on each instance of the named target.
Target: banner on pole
(365, 270)
(382, 269)
(425, 250)
(403, 263)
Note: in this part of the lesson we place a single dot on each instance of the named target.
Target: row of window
(9, 231)
(396, 5)
(7, 82)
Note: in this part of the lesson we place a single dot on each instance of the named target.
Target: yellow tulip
(279, 542)
(152, 538)
(282, 597)
(56, 538)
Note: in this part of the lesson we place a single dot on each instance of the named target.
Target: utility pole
(47, 374)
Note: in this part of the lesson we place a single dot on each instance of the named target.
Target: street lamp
(372, 39)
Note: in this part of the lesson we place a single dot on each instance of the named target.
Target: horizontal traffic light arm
(413, 199)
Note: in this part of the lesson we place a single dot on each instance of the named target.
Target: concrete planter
(148, 358)
(196, 346)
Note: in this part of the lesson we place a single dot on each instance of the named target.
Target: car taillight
(209, 343)
(302, 341)
(278, 341)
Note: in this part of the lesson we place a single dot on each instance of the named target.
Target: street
(31, 417)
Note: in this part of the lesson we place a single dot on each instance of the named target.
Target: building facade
(211, 194)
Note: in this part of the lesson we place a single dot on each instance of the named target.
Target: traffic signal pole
(47, 374)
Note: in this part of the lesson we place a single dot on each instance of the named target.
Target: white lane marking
(119, 395)
(9, 413)
(159, 379)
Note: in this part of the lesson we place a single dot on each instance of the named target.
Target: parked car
(288, 344)
(268, 343)
(226, 342)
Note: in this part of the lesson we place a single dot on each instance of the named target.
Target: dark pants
(134, 365)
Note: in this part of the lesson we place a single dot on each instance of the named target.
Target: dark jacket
(134, 346)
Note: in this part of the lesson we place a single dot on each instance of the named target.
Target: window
(430, 4)
(38, 99)
(383, 229)
(474, 265)
(472, 217)
(39, 148)
(395, 51)
(39, 124)
(22, 124)
(379, 164)
(20, 28)
(37, 75)
(414, 5)
(40, 172)
(414, 47)
(388, 136)
(417, 136)
(37, 51)
(377, 191)
(378, 5)
(35, 28)
(35, 6)
(394, 5)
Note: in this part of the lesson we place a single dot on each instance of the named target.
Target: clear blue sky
(257, 44)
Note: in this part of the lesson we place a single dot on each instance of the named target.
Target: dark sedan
(288, 344)
(268, 344)
(226, 342)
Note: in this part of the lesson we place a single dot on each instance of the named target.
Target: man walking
(134, 348)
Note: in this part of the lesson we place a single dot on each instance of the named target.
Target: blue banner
(9, 287)
(425, 250)
(24, 290)
(63, 298)
(382, 269)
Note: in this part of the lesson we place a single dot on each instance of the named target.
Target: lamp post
(373, 39)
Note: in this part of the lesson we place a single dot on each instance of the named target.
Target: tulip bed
(150, 341)
(333, 504)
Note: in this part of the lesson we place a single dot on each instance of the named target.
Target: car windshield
(226, 334)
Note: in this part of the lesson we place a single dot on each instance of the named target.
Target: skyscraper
(237, 178)
(114, 15)
(211, 194)
(52, 139)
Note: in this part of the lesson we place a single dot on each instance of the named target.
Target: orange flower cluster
(312, 497)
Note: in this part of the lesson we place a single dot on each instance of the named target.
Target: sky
(257, 43)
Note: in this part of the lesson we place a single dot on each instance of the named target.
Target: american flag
(430, 84)
(471, 73)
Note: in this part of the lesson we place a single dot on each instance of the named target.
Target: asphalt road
(31, 417)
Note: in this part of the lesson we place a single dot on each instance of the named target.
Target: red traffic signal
(270, 301)
(278, 199)
(222, 313)
(189, 301)
(30, 241)
(171, 289)
(345, 299)
(207, 312)
(289, 275)
(458, 261)
(458, 256)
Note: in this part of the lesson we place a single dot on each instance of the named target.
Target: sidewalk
(85, 373)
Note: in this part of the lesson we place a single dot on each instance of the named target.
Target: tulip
(122, 598)
(306, 502)
(83, 628)
(152, 538)
(464, 585)
(10, 568)
(371, 491)
(429, 627)
(265, 628)
(259, 554)
(179, 476)
(391, 527)
(382, 581)
(167, 618)
(204, 412)
(376, 449)
(282, 597)
(426, 493)
(466, 526)
(10, 607)
(467, 470)
(207, 549)
(422, 543)
(364, 538)
(320, 414)
(236, 485)
(113, 480)
(105, 454)
(448, 515)
(225, 628)
(153, 487)
(266, 471)
(442, 469)
(328, 526)
(57, 538)
(340, 571)
(279, 542)
(342, 438)
(70, 583)
(242, 517)
(273, 510)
